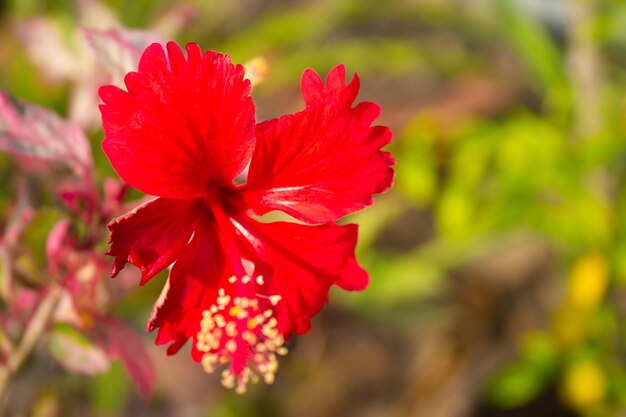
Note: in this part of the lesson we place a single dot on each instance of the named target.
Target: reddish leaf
(79, 197)
(114, 192)
(50, 49)
(21, 215)
(40, 134)
(23, 303)
(76, 353)
(119, 50)
(84, 272)
(6, 276)
(125, 344)
(56, 245)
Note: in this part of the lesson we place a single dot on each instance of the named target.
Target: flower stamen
(241, 331)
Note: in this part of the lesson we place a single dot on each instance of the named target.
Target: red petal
(324, 162)
(151, 235)
(303, 262)
(191, 288)
(182, 126)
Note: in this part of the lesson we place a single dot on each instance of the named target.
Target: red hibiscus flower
(239, 287)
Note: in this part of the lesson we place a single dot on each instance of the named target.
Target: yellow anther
(209, 358)
(223, 301)
(207, 324)
(249, 337)
(269, 332)
(229, 381)
(238, 331)
(234, 310)
(208, 361)
(231, 329)
(272, 366)
(214, 344)
(219, 320)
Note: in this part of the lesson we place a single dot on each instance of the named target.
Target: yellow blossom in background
(584, 385)
(569, 325)
(587, 285)
(588, 281)
(256, 70)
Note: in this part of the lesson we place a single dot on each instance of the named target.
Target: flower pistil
(241, 330)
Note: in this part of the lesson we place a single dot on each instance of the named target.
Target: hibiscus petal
(302, 262)
(151, 235)
(324, 162)
(191, 289)
(182, 126)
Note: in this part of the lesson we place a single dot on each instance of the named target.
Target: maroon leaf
(38, 133)
(124, 343)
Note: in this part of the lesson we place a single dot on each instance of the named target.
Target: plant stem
(30, 337)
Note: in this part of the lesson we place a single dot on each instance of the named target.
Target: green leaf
(539, 52)
(36, 232)
(539, 350)
(515, 385)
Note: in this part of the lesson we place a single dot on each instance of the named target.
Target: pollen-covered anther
(242, 333)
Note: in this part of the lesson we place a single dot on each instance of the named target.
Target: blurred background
(497, 261)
